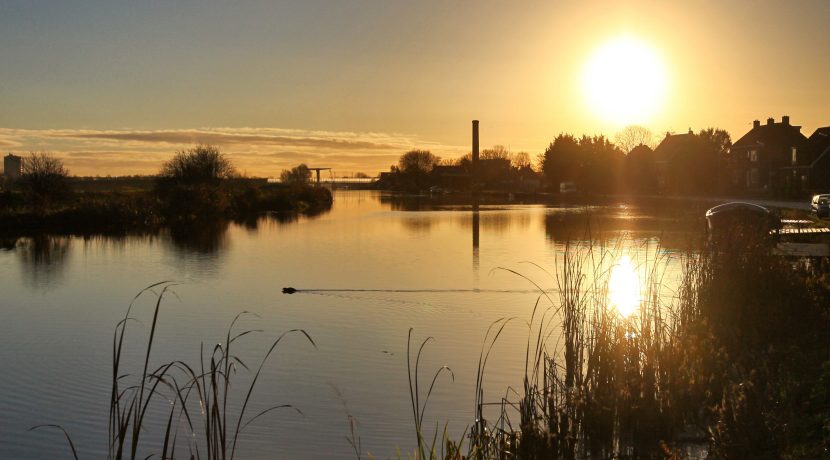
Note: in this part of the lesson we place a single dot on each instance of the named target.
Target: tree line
(690, 163)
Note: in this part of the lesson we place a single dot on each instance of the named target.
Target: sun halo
(625, 82)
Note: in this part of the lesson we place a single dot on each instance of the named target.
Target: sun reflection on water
(624, 287)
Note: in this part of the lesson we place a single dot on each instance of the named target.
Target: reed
(198, 397)
(726, 361)
(425, 450)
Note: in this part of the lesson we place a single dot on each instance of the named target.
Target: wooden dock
(800, 231)
(796, 221)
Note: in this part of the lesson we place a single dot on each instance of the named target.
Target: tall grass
(425, 449)
(198, 398)
(725, 360)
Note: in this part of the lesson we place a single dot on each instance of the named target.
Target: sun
(625, 81)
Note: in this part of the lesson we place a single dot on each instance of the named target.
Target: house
(493, 173)
(669, 156)
(819, 170)
(772, 158)
(453, 177)
(641, 170)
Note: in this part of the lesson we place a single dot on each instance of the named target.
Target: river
(62, 297)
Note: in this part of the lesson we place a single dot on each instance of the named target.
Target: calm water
(61, 298)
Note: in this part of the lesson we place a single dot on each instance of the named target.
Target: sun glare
(624, 287)
(624, 82)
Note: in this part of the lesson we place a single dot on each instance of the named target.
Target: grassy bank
(121, 212)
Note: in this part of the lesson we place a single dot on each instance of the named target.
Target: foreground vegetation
(739, 361)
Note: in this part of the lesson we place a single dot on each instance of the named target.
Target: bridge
(317, 170)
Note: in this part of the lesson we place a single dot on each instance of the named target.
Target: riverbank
(115, 212)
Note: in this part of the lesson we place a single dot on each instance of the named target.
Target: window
(795, 155)
(753, 155)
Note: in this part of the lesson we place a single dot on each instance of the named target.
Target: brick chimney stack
(770, 121)
(785, 120)
(756, 124)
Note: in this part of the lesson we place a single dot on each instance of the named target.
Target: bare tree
(498, 152)
(632, 136)
(521, 160)
(43, 179)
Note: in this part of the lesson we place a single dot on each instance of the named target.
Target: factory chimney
(475, 142)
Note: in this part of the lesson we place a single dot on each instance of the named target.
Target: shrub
(200, 164)
(297, 175)
(190, 185)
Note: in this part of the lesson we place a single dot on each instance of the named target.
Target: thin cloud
(259, 151)
(196, 137)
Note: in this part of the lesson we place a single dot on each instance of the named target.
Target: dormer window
(795, 156)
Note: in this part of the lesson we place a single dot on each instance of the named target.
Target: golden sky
(117, 87)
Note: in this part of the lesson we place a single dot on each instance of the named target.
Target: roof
(819, 145)
(820, 140)
(641, 150)
(674, 143)
(775, 135)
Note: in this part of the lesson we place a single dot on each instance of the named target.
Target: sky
(117, 87)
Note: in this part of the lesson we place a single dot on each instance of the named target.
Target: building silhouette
(12, 166)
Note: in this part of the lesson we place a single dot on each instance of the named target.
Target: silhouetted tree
(299, 174)
(602, 164)
(632, 136)
(465, 160)
(716, 139)
(498, 152)
(521, 160)
(190, 186)
(201, 164)
(417, 162)
(43, 180)
(412, 172)
(562, 160)
(716, 144)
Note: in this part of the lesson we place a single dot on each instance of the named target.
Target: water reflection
(624, 287)
(43, 258)
(408, 203)
(677, 231)
(420, 225)
(199, 250)
(207, 237)
(476, 239)
(361, 244)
